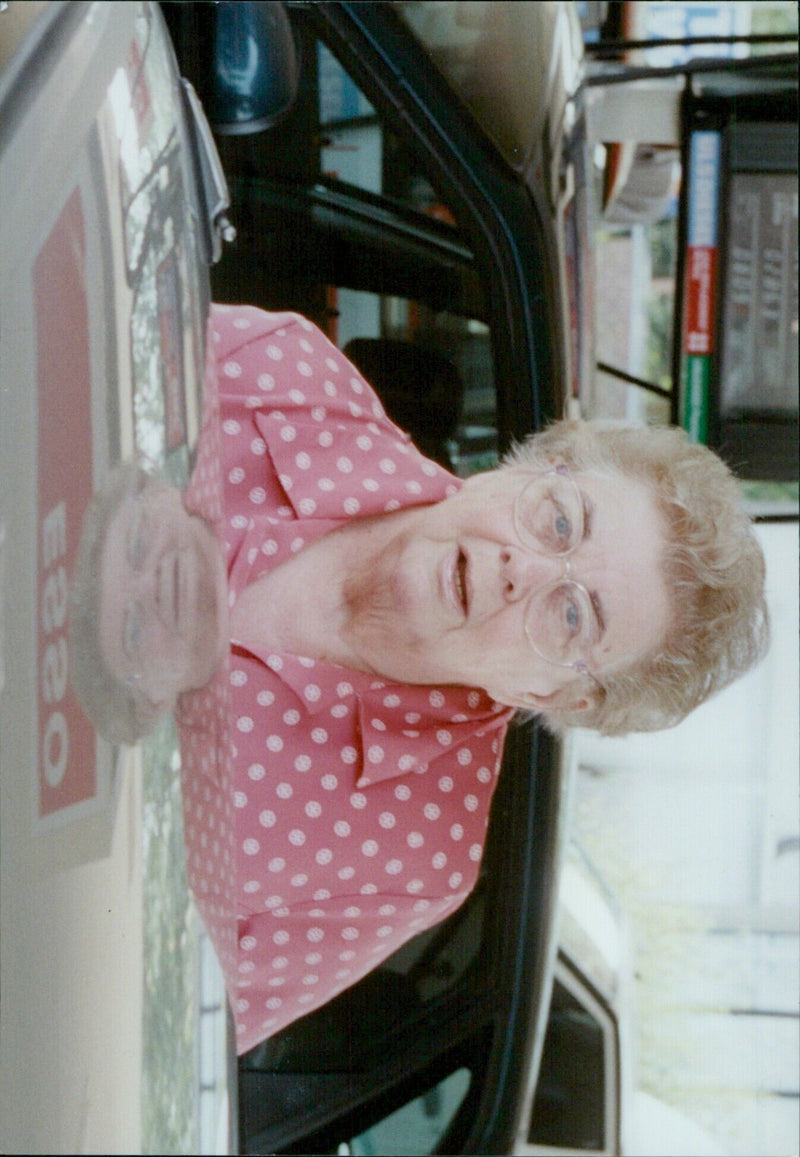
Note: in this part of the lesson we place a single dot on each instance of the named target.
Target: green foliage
(663, 241)
(659, 339)
(771, 18)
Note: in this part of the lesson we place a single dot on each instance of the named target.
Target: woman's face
(163, 605)
(448, 599)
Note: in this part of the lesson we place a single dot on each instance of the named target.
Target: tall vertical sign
(700, 283)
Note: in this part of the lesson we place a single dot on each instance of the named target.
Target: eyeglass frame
(579, 665)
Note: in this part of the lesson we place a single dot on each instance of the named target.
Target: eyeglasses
(561, 624)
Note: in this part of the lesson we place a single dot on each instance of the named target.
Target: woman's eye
(573, 617)
(563, 528)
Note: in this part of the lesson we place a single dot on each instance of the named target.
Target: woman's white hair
(712, 564)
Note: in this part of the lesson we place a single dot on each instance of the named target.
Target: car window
(358, 1027)
(359, 146)
(445, 398)
(351, 136)
(346, 1055)
(571, 1110)
(416, 1126)
(423, 1104)
(341, 217)
(377, 259)
(432, 370)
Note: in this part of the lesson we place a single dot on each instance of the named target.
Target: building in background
(697, 829)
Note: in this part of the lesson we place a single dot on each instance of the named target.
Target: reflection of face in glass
(163, 606)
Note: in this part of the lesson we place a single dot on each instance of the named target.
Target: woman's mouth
(456, 584)
(172, 591)
(461, 581)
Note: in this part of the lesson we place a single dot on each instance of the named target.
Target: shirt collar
(426, 723)
(402, 727)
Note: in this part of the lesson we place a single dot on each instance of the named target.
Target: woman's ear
(569, 698)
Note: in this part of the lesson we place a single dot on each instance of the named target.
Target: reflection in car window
(417, 1126)
(440, 388)
(161, 288)
(377, 258)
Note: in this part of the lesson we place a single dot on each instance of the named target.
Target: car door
(379, 208)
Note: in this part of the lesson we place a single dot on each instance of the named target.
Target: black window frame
(573, 982)
(507, 230)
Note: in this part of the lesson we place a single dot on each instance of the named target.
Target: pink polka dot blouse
(329, 816)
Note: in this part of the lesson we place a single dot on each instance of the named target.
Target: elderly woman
(344, 675)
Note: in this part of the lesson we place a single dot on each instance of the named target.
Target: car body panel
(102, 312)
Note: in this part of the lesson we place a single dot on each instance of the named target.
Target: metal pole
(611, 47)
(627, 74)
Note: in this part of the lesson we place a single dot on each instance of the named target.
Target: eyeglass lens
(549, 514)
(560, 622)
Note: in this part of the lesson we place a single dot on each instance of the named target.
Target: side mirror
(211, 184)
(241, 58)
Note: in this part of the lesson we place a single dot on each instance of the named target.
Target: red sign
(67, 768)
(700, 282)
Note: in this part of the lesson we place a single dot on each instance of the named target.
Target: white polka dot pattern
(332, 818)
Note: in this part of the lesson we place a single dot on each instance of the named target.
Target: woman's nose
(524, 571)
(144, 581)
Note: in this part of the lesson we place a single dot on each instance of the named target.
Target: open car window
(423, 1105)
(377, 259)
(390, 1007)
(345, 215)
